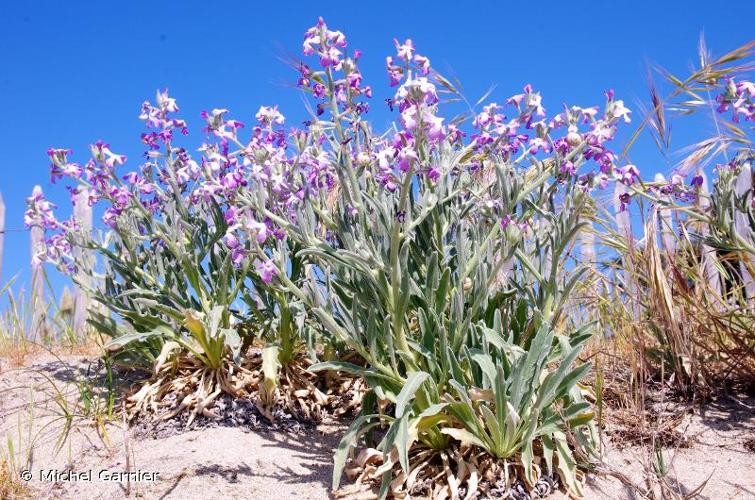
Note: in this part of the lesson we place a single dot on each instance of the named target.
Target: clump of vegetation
(10, 486)
(431, 262)
(688, 282)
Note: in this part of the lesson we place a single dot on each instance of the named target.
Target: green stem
(396, 237)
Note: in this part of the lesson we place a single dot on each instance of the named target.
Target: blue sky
(74, 72)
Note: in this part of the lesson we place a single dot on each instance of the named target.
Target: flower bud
(260, 155)
(363, 158)
(573, 138)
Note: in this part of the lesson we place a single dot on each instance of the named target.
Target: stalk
(398, 321)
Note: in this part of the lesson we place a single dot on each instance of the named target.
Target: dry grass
(15, 354)
(10, 487)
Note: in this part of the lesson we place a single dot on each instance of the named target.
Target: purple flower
(102, 154)
(110, 217)
(120, 196)
(230, 215)
(72, 170)
(326, 43)
(58, 156)
(259, 230)
(423, 63)
(267, 270)
(433, 173)
(739, 97)
(416, 91)
(627, 174)
(537, 143)
(157, 117)
(166, 103)
(434, 127)
(454, 134)
(238, 256)
(395, 73)
(568, 168)
(624, 199)
(131, 178)
(268, 115)
(404, 50)
(40, 211)
(409, 118)
(60, 167)
(406, 157)
(488, 116)
(531, 100)
(231, 241)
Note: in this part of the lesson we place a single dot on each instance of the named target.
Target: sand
(244, 462)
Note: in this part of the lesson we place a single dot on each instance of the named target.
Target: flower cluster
(39, 211)
(57, 246)
(738, 96)
(529, 131)
(677, 188)
(416, 97)
(327, 45)
(157, 118)
(60, 166)
(289, 168)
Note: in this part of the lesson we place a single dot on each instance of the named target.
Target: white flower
(621, 111)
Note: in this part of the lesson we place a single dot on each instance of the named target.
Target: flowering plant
(444, 252)
(434, 253)
(185, 266)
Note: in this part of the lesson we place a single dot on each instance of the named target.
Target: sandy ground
(717, 457)
(233, 462)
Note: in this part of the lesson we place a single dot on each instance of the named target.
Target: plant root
(186, 384)
(296, 391)
(460, 472)
(182, 383)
